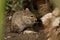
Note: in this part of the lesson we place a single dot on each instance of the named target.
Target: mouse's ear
(27, 9)
(56, 12)
(25, 12)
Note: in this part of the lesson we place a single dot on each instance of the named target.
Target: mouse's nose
(35, 20)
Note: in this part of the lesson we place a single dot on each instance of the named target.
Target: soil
(16, 36)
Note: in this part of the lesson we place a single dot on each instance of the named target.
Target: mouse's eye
(31, 16)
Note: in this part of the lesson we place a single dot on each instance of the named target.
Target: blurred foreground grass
(2, 11)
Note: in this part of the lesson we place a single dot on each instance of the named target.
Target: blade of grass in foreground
(2, 11)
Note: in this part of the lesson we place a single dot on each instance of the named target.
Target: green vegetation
(2, 9)
(57, 4)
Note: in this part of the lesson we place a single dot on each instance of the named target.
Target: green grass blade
(2, 11)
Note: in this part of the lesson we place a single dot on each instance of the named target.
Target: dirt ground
(16, 36)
